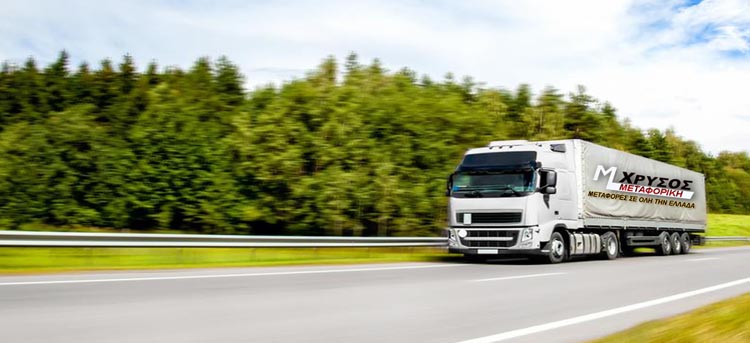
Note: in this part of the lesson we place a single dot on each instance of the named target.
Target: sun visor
(498, 160)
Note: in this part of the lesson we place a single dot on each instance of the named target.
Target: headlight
(462, 233)
(527, 234)
(452, 241)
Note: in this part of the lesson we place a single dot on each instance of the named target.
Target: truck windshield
(493, 183)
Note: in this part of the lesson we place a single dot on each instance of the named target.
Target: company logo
(645, 184)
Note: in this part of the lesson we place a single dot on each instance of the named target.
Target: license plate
(487, 251)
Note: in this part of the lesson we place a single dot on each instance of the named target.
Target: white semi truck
(556, 199)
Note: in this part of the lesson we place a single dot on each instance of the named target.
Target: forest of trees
(349, 149)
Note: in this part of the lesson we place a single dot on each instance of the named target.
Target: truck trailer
(551, 200)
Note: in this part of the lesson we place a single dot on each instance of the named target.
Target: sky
(663, 64)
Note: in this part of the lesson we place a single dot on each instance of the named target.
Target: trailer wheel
(674, 240)
(665, 246)
(685, 242)
(609, 245)
(557, 250)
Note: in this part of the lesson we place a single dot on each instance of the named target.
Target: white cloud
(660, 63)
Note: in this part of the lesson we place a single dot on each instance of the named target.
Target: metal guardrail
(727, 238)
(83, 239)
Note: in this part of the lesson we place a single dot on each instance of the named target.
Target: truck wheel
(685, 242)
(665, 246)
(610, 248)
(557, 250)
(674, 240)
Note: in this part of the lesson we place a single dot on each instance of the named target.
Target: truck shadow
(524, 260)
(509, 260)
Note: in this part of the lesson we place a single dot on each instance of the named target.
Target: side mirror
(551, 180)
(449, 185)
(548, 184)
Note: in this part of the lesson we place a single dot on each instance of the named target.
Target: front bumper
(499, 252)
(494, 241)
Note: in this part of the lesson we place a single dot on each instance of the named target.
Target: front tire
(557, 250)
(665, 246)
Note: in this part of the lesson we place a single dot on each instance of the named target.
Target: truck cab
(508, 197)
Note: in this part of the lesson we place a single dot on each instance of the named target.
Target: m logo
(603, 172)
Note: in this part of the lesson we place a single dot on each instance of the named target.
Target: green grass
(28, 260)
(726, 322)
(728, 225)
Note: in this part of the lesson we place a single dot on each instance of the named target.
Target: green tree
(345, 150)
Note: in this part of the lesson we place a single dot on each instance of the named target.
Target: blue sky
(680, 64)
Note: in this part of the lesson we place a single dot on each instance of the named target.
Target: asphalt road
(441, 302)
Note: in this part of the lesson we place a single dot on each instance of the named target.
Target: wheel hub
(611, 247)
(557, 248)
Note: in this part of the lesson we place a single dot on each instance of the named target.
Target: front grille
(488, 243)
(491, 233)
(491, 217)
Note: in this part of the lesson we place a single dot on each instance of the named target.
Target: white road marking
(185, 277)
(702, 259)
(516, 277)
(598, 315)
